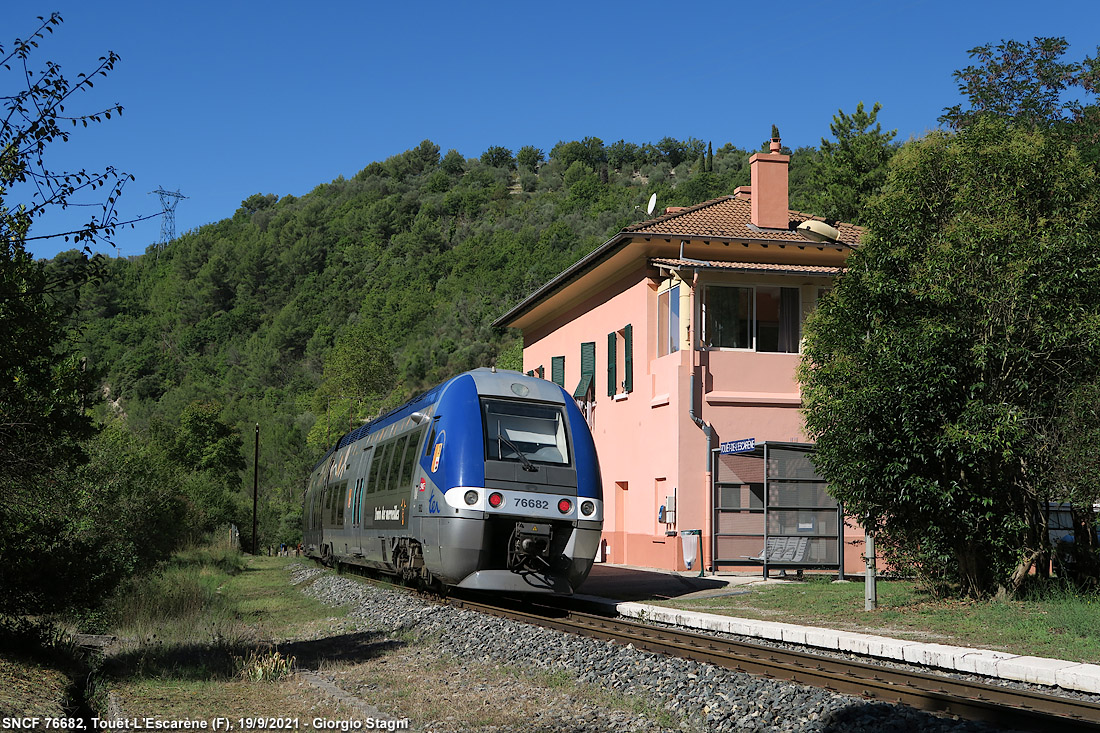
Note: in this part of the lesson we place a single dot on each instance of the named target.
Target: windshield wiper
(527, 465)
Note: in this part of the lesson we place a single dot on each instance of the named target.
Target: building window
(668, 318)
(620, 361)
(762, 318)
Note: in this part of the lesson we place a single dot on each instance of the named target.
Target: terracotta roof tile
(749, 266)
(728, 218)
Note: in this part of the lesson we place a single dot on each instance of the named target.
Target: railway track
(1003, 707)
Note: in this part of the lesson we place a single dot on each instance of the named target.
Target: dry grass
(291, 697)
(31, 688)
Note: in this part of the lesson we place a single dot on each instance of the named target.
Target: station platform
(627, 588)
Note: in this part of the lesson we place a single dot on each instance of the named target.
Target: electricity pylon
(168, 201)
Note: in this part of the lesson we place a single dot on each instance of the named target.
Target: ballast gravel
(697, 696)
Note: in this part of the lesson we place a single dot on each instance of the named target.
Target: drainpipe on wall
(708, 517)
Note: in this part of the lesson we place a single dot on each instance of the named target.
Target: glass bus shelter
(772, 509)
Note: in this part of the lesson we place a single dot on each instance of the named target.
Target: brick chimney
(768, 176)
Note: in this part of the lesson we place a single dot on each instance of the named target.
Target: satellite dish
(818, 231)
(652, 204)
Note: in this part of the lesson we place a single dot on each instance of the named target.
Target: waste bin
(691, 539)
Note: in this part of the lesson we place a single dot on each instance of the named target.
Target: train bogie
(489, 481)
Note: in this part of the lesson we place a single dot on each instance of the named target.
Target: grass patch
(1052, 622)
(286, 698)
(39, 668)
(194, 626)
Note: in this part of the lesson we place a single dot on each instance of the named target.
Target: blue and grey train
(489, 481)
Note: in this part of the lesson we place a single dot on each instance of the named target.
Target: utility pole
(255, 488)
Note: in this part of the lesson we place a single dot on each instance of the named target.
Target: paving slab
(1038, 670)
(982, 661)
(1083, 677)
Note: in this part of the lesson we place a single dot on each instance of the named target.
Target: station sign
(737, 446)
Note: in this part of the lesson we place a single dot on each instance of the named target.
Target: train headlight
(587, 508)
(564, 506)
(470, 497)
(496, 499)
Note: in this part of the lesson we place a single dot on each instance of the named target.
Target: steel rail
(1009, 707)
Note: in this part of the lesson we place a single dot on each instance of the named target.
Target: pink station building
(680, 338)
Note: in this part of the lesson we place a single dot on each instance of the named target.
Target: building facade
(680, 339)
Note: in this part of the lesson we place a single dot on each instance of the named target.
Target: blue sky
(224, 100)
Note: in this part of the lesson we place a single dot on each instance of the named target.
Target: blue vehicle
(489, 481)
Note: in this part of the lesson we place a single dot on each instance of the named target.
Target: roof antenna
(650, 206)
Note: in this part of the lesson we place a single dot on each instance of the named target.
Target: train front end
(516, 465)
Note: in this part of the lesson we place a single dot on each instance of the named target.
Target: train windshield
(525, 432)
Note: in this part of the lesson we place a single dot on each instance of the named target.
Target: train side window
(384, 467)
(375, 468)
(394, 474)
(342, 494)
(401, 475)
(410, 459)
(429, 442)
(387, 470)
(355, 497)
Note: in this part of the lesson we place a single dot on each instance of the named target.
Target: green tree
(936, 373)
(1030, 84)
(209, 449)
(44, 387)
(453, 163)
(359, 375)
(852, 169)
(90, 526)
(499, 157)
(529, 157)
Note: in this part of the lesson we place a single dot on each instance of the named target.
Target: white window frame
(669, 288)
(752, 287)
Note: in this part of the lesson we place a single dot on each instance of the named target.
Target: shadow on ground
(221, 659)
(357, 647)
(626, 584)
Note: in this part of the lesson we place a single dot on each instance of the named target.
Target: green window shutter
(542, 372)
(611, 337)
(628, 358)
(588, 369)
(531, 373)
(582, 387)
(588, 358)
(557, 370)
